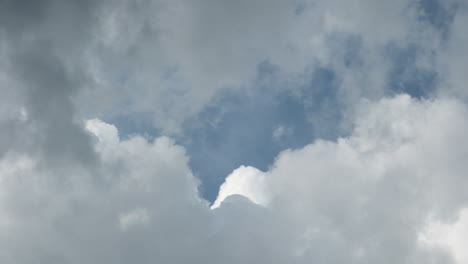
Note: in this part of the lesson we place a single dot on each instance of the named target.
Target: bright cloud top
(245, 181)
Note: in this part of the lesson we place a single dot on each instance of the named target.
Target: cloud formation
(171, 51)
(246, 181)
(382, 84)
(362, 199)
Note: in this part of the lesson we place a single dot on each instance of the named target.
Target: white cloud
(362, 199)
(246, 181)
(106, 133)
(371, 192)
(451, 236)
(68, 214)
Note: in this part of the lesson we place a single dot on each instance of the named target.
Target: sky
(246, 131)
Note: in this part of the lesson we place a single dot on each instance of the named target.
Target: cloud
(74, 191)
(134, 59)
(450, 236)
(141, 192)
(246, 181)
(282, 131)
(360, 198)
(365, 198)
(134, 218)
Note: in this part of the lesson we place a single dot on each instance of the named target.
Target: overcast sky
(234, 131)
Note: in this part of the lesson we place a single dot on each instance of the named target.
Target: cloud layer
(378, 89)
(366, 198)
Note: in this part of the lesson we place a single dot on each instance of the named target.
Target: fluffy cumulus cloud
(373, 197)
(369, 196)
(385, 78)
(64, 215)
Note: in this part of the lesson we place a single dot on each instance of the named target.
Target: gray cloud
(41, 52)
(140, 56)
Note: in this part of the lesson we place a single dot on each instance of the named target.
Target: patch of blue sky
(251, 129)
(406, 76)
